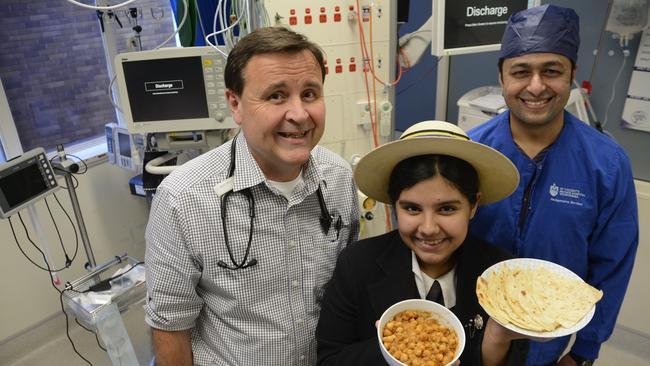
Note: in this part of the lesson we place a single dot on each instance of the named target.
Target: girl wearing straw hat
(435, 177)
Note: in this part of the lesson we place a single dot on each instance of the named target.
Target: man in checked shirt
(242, 239)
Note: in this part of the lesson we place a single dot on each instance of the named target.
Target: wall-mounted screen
(25, 180)
(173, 90)
(470, 26)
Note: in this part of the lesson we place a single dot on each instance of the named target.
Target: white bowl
(438, 312)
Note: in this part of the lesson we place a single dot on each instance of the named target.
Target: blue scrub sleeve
(611, 253)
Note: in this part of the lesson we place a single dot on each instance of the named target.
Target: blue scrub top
(582, 214)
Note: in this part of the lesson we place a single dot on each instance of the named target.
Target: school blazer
(375, 273)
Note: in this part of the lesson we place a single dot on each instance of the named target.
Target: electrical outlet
(363, 115)
(385, 110)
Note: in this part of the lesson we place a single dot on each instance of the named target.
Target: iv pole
(66, 167)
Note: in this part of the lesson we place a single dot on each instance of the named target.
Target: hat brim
(498, 177)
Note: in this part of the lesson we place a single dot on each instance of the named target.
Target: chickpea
(417, 340)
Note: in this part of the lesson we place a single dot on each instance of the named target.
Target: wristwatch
(581, 361)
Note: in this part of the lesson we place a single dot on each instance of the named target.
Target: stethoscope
(325, 219)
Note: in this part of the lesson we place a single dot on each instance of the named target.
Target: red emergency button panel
(293, 20)
(322, 18)
(337, 17)
(339, 69)
(308, 19)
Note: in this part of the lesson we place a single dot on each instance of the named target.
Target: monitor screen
(172, 90)
(25, 180)
(124, 143)
(22, 185)
(470, 26)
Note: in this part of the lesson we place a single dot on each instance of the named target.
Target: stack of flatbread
(535, 298)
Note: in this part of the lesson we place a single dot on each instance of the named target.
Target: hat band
(433, 133)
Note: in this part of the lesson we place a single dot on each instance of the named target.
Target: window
(53, 66)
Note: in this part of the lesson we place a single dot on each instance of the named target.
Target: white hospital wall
(634, 313)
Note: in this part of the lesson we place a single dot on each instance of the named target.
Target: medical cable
(72, 175)
(68, 261)
(13, 231)
(91, 331)
(600, 40)
(613, 95)
(51, 280)
(94, 7)
(198, 14)
(178, 28)
(225, 31)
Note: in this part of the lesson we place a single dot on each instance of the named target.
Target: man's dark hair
(261, 41)
(414, 170)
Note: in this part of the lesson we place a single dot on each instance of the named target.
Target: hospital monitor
(470, 26)
(173, 90)
(25, 180)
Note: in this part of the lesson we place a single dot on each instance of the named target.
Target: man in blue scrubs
(576, 203)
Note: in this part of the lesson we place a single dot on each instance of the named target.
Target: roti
(535, 297)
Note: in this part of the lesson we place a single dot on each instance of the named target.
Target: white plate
(537, 263)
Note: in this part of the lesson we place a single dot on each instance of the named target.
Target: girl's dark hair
(414, 170)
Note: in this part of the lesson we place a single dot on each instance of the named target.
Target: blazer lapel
(395, 281)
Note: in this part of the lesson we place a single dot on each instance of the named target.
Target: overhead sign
(468, 26)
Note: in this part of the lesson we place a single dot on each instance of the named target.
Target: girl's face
(432, 219)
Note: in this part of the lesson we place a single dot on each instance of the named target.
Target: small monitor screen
(124, 142)
(166, 89)
(22, 185)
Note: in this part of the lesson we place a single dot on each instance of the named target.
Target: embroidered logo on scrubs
(570, 196)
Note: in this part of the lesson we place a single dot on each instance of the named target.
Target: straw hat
(498, 177)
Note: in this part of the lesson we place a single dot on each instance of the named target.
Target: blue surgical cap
(547, 28)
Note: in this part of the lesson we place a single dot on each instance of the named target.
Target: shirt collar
(249, 173)
(424, 282)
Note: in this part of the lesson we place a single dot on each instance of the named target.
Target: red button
(339, 69)
(292, 11)
(353, 67)
(307, 19)
(307, 11)
(337, 17)
(337, 8)
(293, 20)
(323, 18)
(322, 9)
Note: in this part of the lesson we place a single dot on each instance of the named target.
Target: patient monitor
(175, 97)
(25, 180)
(173, 90)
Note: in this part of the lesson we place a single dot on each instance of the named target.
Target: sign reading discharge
(477, 23)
